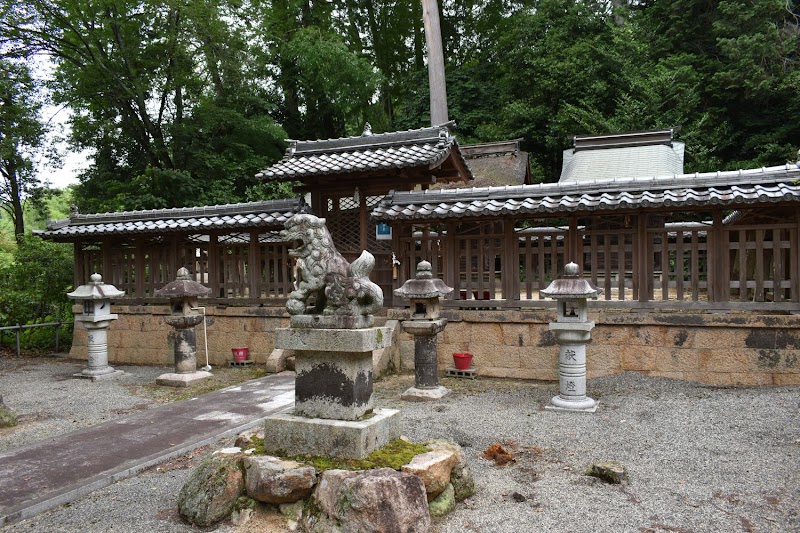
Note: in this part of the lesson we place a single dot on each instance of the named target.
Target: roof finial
(367, 130)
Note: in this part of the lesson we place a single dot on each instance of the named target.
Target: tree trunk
(17, 215)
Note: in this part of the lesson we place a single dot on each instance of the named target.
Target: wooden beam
(436, 79)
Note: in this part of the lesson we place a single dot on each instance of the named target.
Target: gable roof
(433, 150)
(185, 220)
(496, 163)
(735, 188)
(623, 155)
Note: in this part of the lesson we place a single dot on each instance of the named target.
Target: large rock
(443, 503)
(461, 476)
(211, 491)
(364, 502)
(273, 480)
(434, 469)
(7, 416)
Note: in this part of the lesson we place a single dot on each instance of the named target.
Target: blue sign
(383, 232)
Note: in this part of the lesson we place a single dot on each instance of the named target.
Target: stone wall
(718, 349)
(140, 336)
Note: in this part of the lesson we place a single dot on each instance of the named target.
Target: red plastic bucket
(462, 361)
(240, 354)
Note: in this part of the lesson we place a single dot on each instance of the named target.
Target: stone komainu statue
(337, 287)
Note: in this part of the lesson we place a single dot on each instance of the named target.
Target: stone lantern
(96, 318)
(573, 331)
(424, 294)
(183, 294)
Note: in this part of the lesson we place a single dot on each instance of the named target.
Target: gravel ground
(699, 458)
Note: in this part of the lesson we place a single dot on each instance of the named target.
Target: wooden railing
(636, 261)
(247, 268)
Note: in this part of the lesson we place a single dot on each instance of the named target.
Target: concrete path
(49, 473)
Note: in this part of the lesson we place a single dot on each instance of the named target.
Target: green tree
(732, 68)
(22, 135)
(36, 282)
(139, 77)
(326, 89)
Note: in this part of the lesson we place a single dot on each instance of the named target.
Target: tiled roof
(395, 150)
(190, 219)
(773, 184)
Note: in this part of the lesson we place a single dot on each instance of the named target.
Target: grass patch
(221, 378)
(393, 455)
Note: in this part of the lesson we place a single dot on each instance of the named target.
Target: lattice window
(343, 223)
(234, 238)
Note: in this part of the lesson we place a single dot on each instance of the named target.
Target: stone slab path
(53, 472)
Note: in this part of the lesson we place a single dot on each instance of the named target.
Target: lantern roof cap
(424, 285)
(183, 287)
(570, 286)
(95, 290)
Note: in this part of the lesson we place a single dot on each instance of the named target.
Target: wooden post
(140, 269)
(451, 272)
(642, 258)
(717, 276)
(573, 252)
(107, 273)
(213, 265)
(363, 222)
(436, 79)
(173, 261)
(510, 264)
(794, 250)
(254, 266)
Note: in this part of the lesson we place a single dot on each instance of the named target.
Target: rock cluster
(380, 499)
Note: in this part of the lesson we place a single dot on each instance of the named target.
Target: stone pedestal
(426, 361)
(97, 347)
(333, 394)
(348, 439)
(185, 352)
(572, 339)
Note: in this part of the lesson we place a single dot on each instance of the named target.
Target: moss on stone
(443, 503)
(7, 417)
(258, 445)
(394, 455)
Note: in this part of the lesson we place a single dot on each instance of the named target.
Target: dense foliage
(35, 285)
(183, 101)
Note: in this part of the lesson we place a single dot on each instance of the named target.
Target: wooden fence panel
(763, 262)
(608, 261)
(677, 275)
(541, 258)
(276, 276)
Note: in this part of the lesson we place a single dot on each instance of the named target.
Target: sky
(73, 163)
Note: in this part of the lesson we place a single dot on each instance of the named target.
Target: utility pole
(433, 38)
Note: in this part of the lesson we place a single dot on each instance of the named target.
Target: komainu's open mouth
(296, 247)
